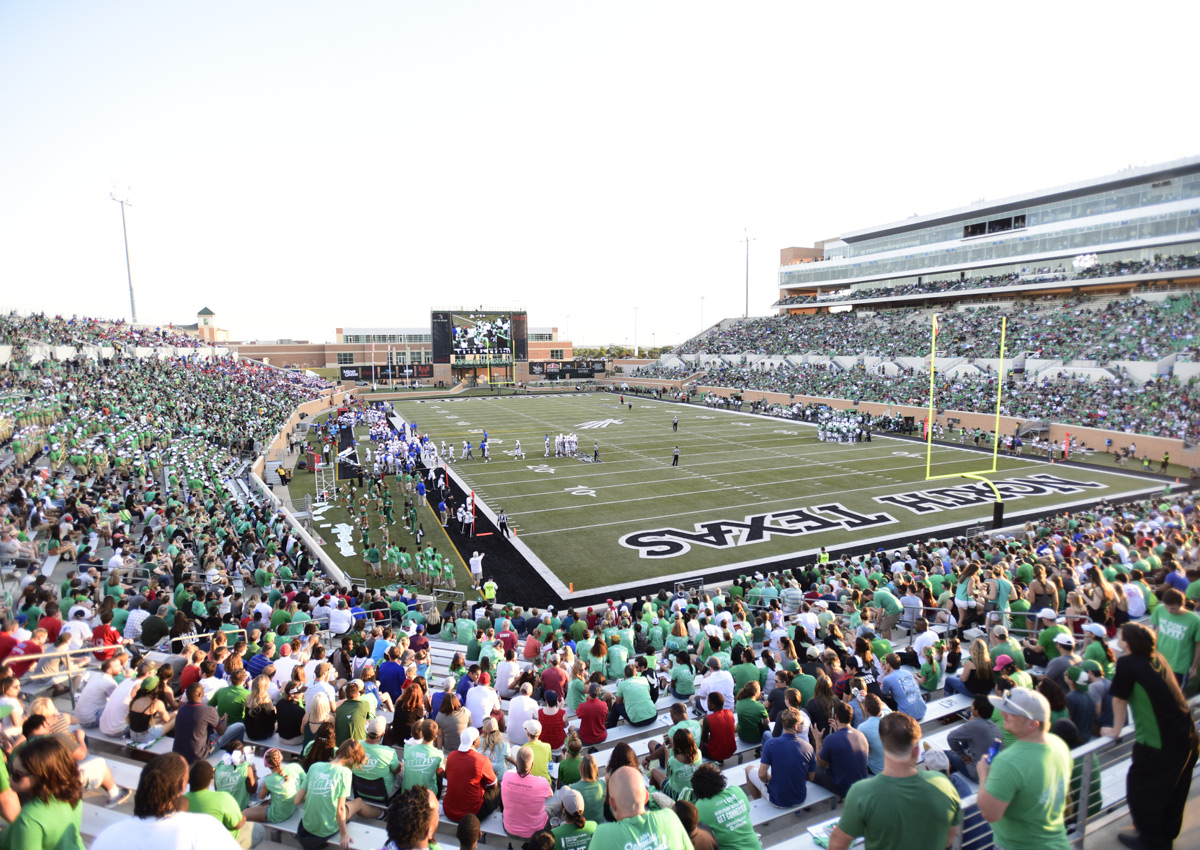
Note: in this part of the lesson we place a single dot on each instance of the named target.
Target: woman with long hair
(148, 718)
(328, 807)
(494, 745)
(277, 792)
(977, 677)
(591, 786)
(1098, 597)
(820, 707)
(452, 720)
(598, 656)
(1160, 776)
(51, 819)
(410, 707)
(260, 714)
(322, 746)
(318, 714)
(685, 758)
(787, 655)
(157, 820)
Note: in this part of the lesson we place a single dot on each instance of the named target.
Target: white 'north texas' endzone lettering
(950, 498)
(756, 528)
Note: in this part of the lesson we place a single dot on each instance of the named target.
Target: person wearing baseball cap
(471, 786)
(1006, 668)
(1056, 670)
(375, 779)
(1004, 643)
(1039, 652)
(1023, 788)
(574, 821)
(1097, 649)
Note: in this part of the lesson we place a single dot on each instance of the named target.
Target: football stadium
(908, 559)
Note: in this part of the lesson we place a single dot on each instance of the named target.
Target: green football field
(748, 489)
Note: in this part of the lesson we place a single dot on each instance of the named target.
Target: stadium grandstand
(177, 618)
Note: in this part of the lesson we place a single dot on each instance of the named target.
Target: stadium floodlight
(124, 202)
(747, 238)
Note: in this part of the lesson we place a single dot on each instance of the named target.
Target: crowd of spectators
(1164, 408)
(1118, 268)
(84, 330)
(808, 664)
(368, 722)
(1072, 329)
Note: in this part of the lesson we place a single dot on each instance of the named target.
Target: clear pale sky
(302, 166)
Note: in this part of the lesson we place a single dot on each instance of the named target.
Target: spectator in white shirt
(521, 708)
(340, 619)
(482, 700)
(321, 684)
(715, 680)
(114, 719)
(96, 694)
(507, 672)
(77, 627)
(208, 678)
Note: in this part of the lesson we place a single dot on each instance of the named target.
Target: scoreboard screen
(479, 336)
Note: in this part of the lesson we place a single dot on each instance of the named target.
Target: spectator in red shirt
(8, 638)
(533, 647)
(554, 679)
(554, 722)
(507, 636)
(105, 635)
(51, 622)
(419, 642)
(717, 740)
(593, 717)
(191, 671)
(471, 786)
(27, 649)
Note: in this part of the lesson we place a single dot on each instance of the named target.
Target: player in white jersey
(519, 453)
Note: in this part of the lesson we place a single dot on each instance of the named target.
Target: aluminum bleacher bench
(95, 819)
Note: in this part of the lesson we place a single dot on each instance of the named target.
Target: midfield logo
(726, 533)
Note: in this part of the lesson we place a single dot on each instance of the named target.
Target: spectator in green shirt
(1041, 651)
(724, 810)
(350, 718)
(751, 714)
(278, 788)
(903, 806)
(1178, 635)
(231, 700)
(220, 805)
(1023, 790)
(51, 818)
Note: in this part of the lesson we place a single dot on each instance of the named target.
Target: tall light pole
(636, 353)
(746, 238)
(701, 314)
(129, 274)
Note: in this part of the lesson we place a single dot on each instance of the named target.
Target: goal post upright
(982, 474)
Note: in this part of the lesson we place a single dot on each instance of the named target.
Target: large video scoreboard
(479, 336)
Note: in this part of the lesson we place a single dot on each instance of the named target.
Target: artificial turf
(634, 518)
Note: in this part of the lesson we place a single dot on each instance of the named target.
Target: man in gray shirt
(970, 742)
(1056, 670)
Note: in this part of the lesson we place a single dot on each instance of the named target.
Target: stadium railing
(1110, 757)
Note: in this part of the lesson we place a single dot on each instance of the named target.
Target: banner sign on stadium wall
(383, 372)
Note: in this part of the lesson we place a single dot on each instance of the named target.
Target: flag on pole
(935, 325)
